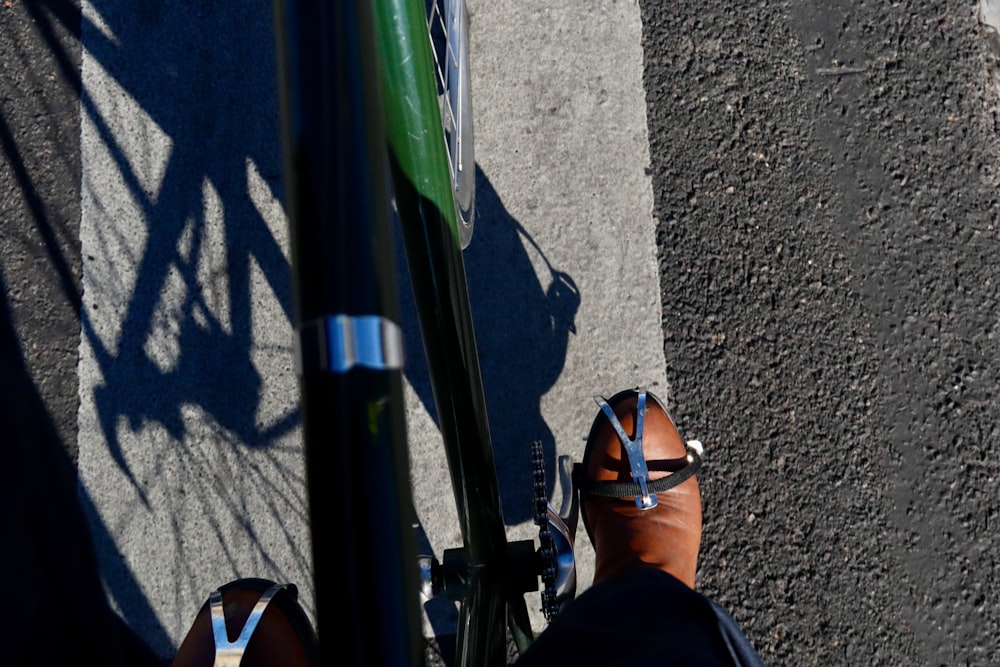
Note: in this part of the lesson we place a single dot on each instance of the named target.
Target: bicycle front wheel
(448, 25)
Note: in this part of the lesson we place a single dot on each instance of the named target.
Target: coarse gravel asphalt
(825, 176)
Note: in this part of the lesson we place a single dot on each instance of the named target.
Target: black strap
(631, 489)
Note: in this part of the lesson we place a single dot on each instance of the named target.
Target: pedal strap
(642, 488)
(627, 489)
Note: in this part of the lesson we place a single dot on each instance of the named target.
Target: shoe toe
(667, 536)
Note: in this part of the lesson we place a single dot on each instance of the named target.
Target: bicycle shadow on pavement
(188, 399)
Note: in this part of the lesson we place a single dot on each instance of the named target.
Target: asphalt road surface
(826, 186)
(823, 178)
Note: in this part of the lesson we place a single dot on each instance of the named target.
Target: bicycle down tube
(498, 573)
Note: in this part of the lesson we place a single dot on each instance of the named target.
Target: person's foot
(278, 634)
(667, 536)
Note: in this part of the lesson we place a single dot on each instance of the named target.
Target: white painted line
(190, 453)
(189, 443)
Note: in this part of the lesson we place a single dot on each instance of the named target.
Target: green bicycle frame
(340, 126)
(424, 199)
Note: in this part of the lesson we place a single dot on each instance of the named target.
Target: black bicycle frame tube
(443, 309)
(349, 353)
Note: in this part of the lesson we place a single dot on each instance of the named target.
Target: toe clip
(641, 487)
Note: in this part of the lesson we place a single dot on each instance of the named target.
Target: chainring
(547, 557)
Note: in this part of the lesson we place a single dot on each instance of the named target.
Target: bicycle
(389, 144)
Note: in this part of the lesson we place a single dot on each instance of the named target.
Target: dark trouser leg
(642, 617)
(55, 612)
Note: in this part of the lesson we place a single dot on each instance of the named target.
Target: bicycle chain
(547, 551)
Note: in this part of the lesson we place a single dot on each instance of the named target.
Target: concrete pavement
(190, 458)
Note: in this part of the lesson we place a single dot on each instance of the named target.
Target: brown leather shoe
(263, 625)
(667, 535)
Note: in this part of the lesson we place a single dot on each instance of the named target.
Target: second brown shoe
(666, 536)
(251, 623)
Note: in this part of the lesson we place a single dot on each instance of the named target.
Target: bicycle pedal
(431, 579)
